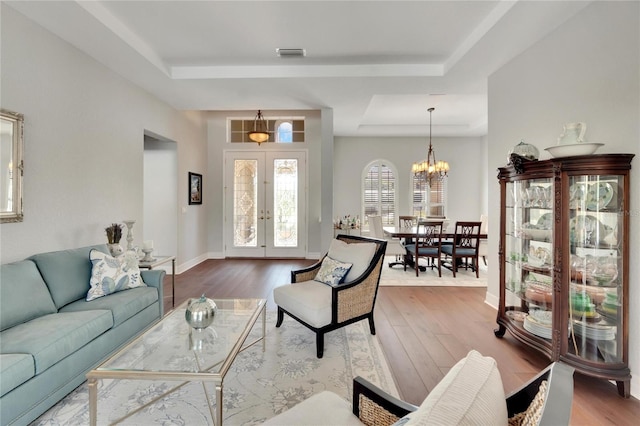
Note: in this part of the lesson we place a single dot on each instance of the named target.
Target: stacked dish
(600, 331)
(539, 323)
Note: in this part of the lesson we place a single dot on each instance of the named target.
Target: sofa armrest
(155, 278)
(372, 405)
(557, 402)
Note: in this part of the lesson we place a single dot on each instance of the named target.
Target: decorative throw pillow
(471, 393)
(332, 272)
(358, 254)
(112, 274)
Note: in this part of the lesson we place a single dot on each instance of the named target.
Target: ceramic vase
(115, 249)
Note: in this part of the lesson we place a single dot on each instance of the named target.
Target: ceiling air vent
(291, 53)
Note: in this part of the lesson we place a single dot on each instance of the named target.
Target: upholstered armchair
(323, 301)
(395, 247)
(470, 393)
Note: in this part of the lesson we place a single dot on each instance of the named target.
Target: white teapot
(572, 133)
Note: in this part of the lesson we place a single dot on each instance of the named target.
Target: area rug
(259, 385)
(397, 276)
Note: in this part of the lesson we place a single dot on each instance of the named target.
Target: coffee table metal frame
(204, 376)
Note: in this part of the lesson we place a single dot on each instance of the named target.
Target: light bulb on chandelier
(429, 168)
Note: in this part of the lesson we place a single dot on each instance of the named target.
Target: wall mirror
(11, 166)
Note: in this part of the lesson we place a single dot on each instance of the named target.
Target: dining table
(408, 233)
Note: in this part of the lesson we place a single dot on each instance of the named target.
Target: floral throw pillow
(332, 272)
(112, 274)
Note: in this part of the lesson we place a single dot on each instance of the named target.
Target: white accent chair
(322, 307)
(471, 393)
(394, 246)
(483, 249)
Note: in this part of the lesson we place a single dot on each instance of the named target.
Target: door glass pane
(245, 189)
(596, 296)
(285, 201)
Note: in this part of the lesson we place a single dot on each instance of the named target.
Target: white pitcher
(572, 133)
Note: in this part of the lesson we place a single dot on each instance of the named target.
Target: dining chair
(427, 244)
(465, 246)
(407, 221)
(394, 246)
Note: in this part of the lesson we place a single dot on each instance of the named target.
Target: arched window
(379, 192)
(284, 131)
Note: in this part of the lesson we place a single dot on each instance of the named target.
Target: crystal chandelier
(430, 169)
(259, 133)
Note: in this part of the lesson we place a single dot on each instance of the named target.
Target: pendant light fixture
(259, 133)
(430, 169)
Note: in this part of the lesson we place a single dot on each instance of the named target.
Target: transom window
(379, 192)
(281, 130)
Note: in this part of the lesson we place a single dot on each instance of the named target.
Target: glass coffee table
(173, 351)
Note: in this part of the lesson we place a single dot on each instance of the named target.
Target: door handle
(261, 215)
(268, 217)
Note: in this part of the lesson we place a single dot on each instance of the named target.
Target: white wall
(466, 182)
(587, 70)
(84, 131)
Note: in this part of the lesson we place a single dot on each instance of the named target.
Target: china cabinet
(564, 253)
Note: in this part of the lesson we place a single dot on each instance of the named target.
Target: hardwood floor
(424, 331)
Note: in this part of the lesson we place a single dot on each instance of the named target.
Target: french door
(265, 204)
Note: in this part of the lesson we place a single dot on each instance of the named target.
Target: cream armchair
(470, 393)
(323, 307)
(394, 246)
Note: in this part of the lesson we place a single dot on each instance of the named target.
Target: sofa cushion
(308, 300)
(52, 337)
(324, 408)
(332, 272)
(23, 294)
(358, 254)
(15, 369)
(112, 274)
(67, 272)
(470, 393)
(123, 305)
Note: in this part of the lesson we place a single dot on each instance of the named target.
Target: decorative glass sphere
(200, 312)
(525, 150)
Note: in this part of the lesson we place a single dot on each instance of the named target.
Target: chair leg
(454, 264)
(280, 317)
(484, 258)
(477, 266)
(372, 326)
(319, 344)
(439, 268)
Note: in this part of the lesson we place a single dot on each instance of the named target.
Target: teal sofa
(50, 336)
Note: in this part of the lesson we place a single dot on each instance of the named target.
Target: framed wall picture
(195, 188)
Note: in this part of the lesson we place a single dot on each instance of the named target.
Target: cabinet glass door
(528, 255)
(595, 296)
